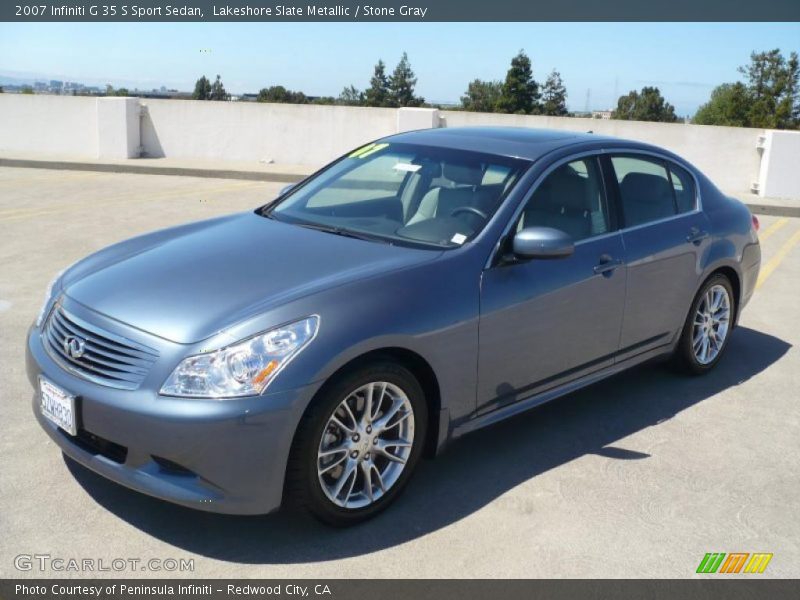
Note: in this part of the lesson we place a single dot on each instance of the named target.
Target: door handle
(696, 236)
(607, 265)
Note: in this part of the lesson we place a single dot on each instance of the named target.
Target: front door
(545, 322)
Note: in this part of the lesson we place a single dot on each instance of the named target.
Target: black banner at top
(400, 10)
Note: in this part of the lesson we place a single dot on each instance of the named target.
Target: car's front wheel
(708, 326)
(358, 444)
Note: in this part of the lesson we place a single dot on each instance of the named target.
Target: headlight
(243, 369)
(47, 298)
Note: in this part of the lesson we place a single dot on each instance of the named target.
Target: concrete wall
(249, 131)
(48, 124)
(779, 176)
(735, 158)
(728, 155)
(118, 128)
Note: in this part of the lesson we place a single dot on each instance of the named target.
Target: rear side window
(683, 184)
(645, 190)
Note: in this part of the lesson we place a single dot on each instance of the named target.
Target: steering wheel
(469, 209)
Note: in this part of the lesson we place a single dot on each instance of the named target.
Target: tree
(26, 89)
(280, 95)
(402, 83)
(773, 84)
(218, 90)
(202, 89)
(351, 96)
(554, 96)
(377, 93)
(122, 92)
(647, 105)
(769, 98)
(520, 93)
(482, 96)
(789, 104)
(1, 89)
(729, 105)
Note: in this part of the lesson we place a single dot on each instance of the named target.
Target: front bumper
(226, 456)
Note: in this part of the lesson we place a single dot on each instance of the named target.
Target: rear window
(683, 184)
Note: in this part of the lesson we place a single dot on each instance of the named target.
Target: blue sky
(686, 60)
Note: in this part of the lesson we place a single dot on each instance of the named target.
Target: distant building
(76, 88)
(601, 114)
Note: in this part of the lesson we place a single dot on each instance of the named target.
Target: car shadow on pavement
(469, 475)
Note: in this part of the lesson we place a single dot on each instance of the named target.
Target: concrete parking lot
(638, 476)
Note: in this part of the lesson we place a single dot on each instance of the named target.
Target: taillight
(756, 224)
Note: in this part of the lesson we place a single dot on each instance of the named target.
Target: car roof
(519, 142)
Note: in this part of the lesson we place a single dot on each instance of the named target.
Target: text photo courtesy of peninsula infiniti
(309, 352)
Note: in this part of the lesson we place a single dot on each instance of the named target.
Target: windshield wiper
(343, 232)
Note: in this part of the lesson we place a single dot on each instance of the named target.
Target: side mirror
(542, 242)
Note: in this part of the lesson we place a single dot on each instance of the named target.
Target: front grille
(105, 358)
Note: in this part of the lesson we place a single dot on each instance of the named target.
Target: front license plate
(58, 406)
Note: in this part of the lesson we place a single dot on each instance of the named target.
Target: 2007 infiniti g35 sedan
(311, 351)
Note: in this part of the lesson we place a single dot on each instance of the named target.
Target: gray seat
(563, 201)
(645, 197)
(441, 201)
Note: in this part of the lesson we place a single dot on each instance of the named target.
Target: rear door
(665, 235)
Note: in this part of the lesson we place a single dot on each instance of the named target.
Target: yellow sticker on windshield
(358, 152)
(373, 150)
(367, 150)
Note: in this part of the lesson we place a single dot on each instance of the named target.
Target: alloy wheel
(711, 324)
(365, 445)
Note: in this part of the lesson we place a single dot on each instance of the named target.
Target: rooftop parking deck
(638, 476)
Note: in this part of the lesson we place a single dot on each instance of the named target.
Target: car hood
(188, 283)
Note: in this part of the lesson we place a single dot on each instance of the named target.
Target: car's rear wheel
(708, 326)
(358, 444)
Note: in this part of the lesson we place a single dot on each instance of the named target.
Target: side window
(645, 190)
(571, 199)
(683, 184)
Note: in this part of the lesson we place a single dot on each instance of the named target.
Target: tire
(689, 355)
(324, 451)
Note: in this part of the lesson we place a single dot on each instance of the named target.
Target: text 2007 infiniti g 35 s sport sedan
(419, 287)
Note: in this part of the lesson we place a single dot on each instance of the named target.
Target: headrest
(463, 174)
(431, 168)
(565, 189)
(644, 187)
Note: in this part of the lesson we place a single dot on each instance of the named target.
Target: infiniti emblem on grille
(74, 347)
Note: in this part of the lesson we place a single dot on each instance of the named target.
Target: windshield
(404, 193)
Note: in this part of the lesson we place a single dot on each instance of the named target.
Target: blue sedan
(311, 351)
